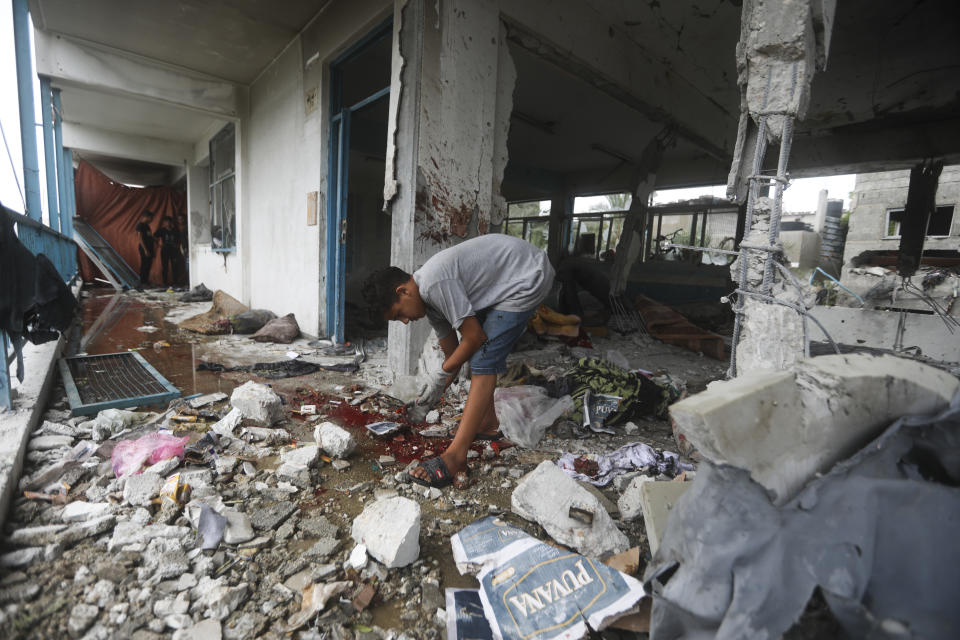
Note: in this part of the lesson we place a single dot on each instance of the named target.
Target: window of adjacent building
(530, 221)
(938, 225)
(223, 230)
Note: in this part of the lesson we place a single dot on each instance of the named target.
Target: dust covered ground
(136, 570)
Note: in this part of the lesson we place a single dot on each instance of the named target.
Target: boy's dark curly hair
(380, 289)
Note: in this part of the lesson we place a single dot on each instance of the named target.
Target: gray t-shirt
(493, 271)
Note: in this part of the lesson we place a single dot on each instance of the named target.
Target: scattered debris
(396, 545)
(545, 497)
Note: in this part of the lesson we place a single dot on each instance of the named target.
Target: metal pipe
(49, 153)
(28, 133)
(58, 147)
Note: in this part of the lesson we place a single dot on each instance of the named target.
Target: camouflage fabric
(641, 395)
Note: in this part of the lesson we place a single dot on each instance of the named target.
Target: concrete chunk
(20, 558)
(657, 500)
(630, 502)
(226, 425)
(81, 530)
(390, 528)
(258, 402)
(238, 527)
(785, 427)
(545, 496)
(45, 443)
(81, 617)
(335, 440)
(141, 488)
(80, 511)
(36, 536)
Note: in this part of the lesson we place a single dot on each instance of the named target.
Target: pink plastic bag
(130, 455)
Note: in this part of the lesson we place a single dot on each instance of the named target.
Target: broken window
(223, 236)
(529, 221)
(597, 224)
(939, 224)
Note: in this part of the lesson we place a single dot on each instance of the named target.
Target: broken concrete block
(36, 536)
(358, 557)
(545, 496)
(258, 402)
(657, 500)
(630, 502)
(20, 558)
(209, 398)
(141, 488)
(203, 630)
(126, 533)
(390, 528)
(784, 427)
(45, 443)
(335, 440)
(220, 601)
(269, 517)
(228, 423)
(80, 511)
(163, 467)
(81, 617)
(238, 527)
(81, 530)
(306, 457)
(110, 422)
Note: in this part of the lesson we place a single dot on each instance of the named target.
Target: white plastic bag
(526, 412)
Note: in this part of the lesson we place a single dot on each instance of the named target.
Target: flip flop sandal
(440, 476)
(490, 437)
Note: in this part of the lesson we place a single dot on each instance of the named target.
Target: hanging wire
(13, 167)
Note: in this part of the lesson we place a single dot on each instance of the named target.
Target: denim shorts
(503, 329)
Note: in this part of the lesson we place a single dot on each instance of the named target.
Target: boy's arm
(472, 338)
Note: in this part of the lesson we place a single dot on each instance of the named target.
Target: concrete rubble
(305, 499)
(784, 427)
(546, 496)
(397, 544)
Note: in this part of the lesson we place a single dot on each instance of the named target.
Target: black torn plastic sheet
(878, 534)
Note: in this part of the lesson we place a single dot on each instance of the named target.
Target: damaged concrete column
(447, 141)
(781, 46)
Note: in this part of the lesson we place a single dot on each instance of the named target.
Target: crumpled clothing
(641, 395)
(631, 457)
(270, 370)
(546, 320)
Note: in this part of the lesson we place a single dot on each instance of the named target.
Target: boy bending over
(487, 288)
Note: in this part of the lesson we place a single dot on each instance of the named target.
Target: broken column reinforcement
(780, 47)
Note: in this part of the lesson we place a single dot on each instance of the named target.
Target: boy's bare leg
(490, 424)
(479, 403)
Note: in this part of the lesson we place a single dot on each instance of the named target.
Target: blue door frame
(338, 180)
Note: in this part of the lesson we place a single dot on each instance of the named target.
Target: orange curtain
(114, 209)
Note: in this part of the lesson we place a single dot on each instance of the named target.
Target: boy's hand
(430, 395)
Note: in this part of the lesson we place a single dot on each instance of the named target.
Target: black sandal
(440, 475)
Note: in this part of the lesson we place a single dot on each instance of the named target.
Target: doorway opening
(358, 230)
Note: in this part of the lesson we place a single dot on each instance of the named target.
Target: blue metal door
(339, 175)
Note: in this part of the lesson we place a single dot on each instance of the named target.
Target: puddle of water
(177, 363)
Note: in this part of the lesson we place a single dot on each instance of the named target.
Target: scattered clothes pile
(217, 319)
(35, 303)
(634, 394)
(199, 293)
(269, 370)
(637, 456)
(550, 322)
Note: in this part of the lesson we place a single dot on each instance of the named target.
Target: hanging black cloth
(35, 302)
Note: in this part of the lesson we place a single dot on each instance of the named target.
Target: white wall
(285, 158)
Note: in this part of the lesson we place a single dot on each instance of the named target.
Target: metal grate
(111, 381)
